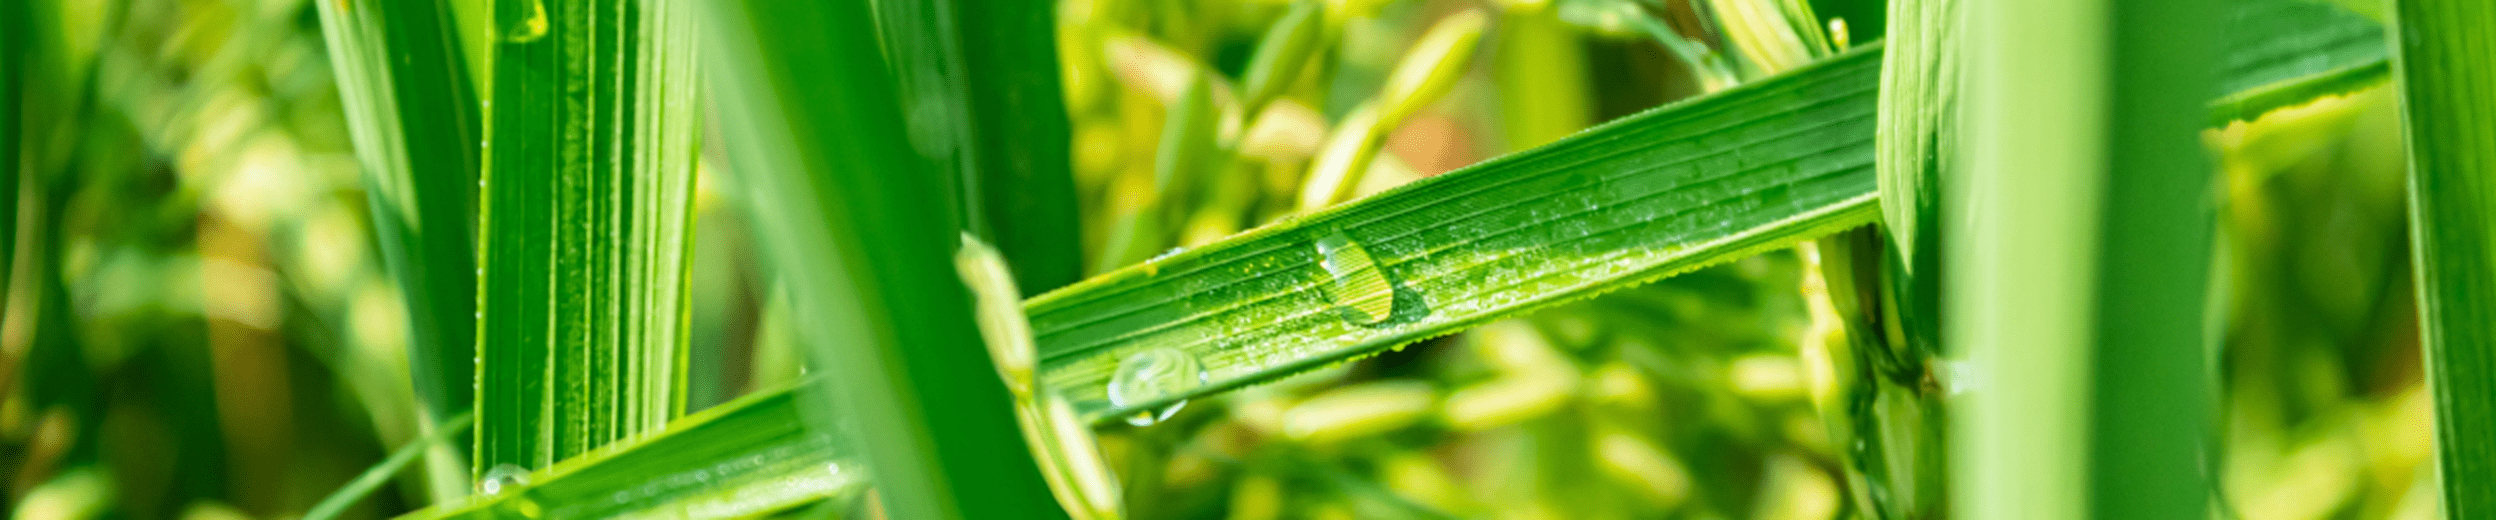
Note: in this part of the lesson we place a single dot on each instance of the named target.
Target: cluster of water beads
(1152, 375)
(1353, 283)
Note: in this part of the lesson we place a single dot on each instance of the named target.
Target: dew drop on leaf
(1152, 375)
(1353, 280)
(503, 478)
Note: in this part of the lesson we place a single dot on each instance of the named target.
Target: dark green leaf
(866, 249)
(979, 87)
(406, 91)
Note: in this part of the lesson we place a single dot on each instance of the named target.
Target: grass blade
(867, 252)
(372, 479)
(587, 184)
(980, 83)
(1657, 193)
(404, 84)
(2443, 56)
(750, 456)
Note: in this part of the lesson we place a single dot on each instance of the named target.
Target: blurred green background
(201, 326)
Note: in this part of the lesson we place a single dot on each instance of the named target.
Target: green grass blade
(404, 84)
(751, 456)
(1661, 192)
(588, 176)
(867, 254)
(2444, 58)
(979, 83)
(372, 479)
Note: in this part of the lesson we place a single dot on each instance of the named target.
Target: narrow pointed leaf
(587, 184)
(979, 87)
(866, 249)
(414, 117)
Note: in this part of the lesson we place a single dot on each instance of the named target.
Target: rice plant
(1249, 259)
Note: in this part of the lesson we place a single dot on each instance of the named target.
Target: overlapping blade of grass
(1919, 112)
(2448, 99)
(410, 107)
(1850, 73)
(867, 255)
(979, 84)
(1633, 200)
(588, 172)
(750, 456)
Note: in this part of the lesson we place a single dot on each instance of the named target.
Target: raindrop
(1354, 281)
(1153, 375)
(503, 478)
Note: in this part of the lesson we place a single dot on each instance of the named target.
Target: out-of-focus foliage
(2324, 412)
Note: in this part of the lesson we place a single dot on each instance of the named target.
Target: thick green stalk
(2154, 392)
(2080, 287)
(867, 251)
(404, 83)
(589, 171)
(2448, 98)
(979, 84)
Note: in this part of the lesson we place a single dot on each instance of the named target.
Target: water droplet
(1167, 254)
(529, 29)
(503, 478)
(1353, 279)
(1152, 375)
